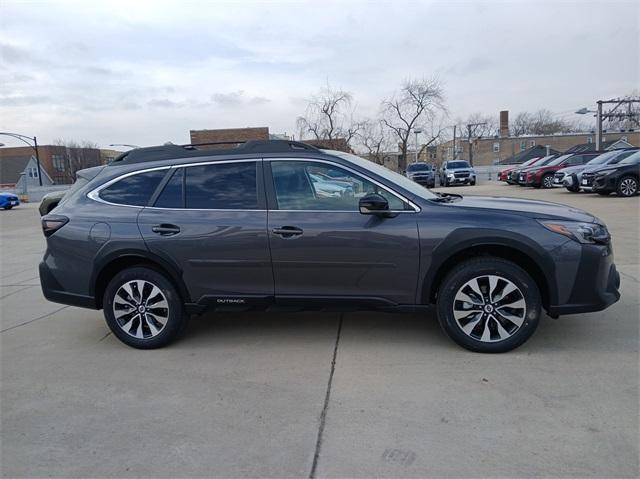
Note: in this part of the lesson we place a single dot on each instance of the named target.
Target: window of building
(58, 162)
(523, 145)
(321, 187)
(590, 140)
(225, 186)
(532, 143)
(33, 172)
(135, 190)
(496, 147)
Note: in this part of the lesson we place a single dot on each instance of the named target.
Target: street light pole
(35, 144)
(599, 126)
(417, 132)
(34, 147)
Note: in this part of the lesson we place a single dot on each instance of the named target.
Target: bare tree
(329, 116)
(417, 102)
(543, 122)
(77, 156)
(374, 140)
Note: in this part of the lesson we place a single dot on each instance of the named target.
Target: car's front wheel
(627, 186)
(547, 181)
(143, 309)
(489, 305)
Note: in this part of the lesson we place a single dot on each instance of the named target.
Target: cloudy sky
(148, 72)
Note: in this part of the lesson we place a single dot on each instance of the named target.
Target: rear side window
(134, 190)
(172, 195)
(223, 186)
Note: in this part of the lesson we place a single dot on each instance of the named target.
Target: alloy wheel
(489, 308)
(141, 309)
(628, 187)
(548, 182)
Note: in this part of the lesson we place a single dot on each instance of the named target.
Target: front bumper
(596, 285)
(461, 181)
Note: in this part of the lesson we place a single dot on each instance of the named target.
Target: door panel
(221, 253)
(210, 220)
(345, 254)
(322, 246)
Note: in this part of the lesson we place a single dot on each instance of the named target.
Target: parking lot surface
(323, 395)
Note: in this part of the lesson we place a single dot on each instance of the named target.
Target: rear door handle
(166, 230)
(287, 231)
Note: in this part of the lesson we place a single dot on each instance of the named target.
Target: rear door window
(172, 195)
(134, 190)
(222, 186)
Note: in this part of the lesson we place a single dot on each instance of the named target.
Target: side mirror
(373, 204)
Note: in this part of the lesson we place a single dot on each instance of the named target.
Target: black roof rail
(171, 151)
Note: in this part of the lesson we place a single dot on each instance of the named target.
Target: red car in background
(543, 175)
(504, 174)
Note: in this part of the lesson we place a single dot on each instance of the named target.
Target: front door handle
(166, 230)
(287, 231)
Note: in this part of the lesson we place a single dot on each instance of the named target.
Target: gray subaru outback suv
(166, 232)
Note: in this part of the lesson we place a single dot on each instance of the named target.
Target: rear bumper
(596, 286)
(54, 291)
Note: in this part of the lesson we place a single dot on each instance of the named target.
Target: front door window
(304, 186)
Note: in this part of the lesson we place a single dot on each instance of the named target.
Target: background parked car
(421, 173)
(457, 172)
(542, 177)
(521, 173)
(8, 201)
(504, 174)
(50, 201)
(621, 178)
(614, 158)
(512, 176)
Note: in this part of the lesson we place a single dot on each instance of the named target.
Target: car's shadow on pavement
(370, 327)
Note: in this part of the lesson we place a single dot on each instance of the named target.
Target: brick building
(228, 135)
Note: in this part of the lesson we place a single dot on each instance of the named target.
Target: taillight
(52, 223)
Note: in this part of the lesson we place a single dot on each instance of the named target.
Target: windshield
(419, 167)
(632, 159)
(528, 162)
(559, 160)
(387, 174)
(546, 160)
(600, 159)
(458, 164)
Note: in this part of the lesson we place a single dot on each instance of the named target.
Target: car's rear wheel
(627, 186)
(489, 305)
(8, 207)
(143, 309)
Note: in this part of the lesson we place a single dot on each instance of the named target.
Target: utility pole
(454, 141)
(599, 126)
(632, 117)
(471, 127)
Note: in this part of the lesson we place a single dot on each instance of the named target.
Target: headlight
(450, 175)
(586, 233)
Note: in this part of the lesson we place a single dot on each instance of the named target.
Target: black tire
(476, 270)
(175, 321)
(547, 181)
(473, 182)
(603, 193)
(8, 207)
(627, 186)
(572, 189)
